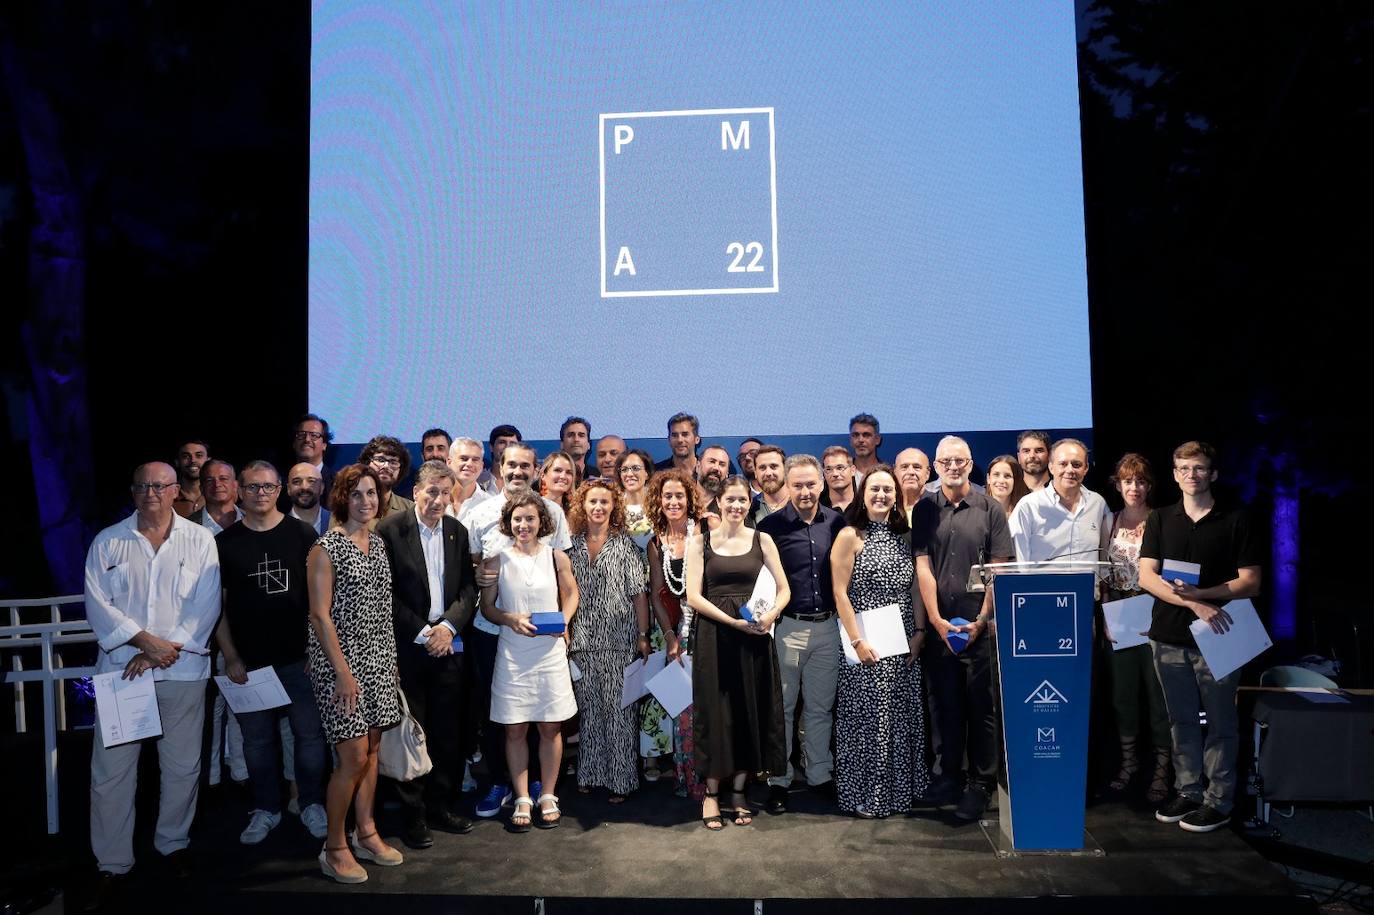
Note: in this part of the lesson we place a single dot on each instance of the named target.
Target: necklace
(525, 564)
(676, 584)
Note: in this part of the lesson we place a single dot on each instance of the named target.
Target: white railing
(20, 638)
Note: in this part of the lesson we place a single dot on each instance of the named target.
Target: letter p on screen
(624, 136)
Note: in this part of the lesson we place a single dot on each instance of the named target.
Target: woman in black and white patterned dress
(610, 627)
(880, 730)
(352, 662)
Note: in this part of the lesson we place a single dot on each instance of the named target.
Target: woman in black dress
(736, 691)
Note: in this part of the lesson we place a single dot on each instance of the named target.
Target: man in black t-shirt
(266, 610)
(1218, 537)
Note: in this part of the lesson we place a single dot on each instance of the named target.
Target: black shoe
(941, 796)
(973, 803)
(416, 833)
(777, 799)
(451, 822)
(1204, 819)
(825, 789)
(1177, 809)
(104, 892)
(180, 863)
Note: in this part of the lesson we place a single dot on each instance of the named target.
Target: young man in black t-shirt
(1218, 537)
(264, 624)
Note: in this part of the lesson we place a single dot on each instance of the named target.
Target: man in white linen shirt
(152, 598)
(1065, 520)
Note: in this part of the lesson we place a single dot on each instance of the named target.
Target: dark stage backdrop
(153, 180)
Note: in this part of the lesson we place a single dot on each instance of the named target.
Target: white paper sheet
(1128, 620)
(262, 692)
(672, 686)
(764, 596)
(1243, 641)
(633, 686)
(637, 676)
(881, 628)
(127, 708)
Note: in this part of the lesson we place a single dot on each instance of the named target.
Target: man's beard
(306, 498)
(712, 483)
(770, 487)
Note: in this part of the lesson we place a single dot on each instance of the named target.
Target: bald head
(913, 470)
(607, 451)
(154, 488)
(304, 486)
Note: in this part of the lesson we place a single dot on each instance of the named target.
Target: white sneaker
(259, 826)
(315, 820)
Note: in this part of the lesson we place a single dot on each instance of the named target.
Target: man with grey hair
(220, 488)
(1065, 520)
(608, 449)
(807, 641)
(266, 612)
(433, 595)
(465, 457)
(152, 599)
(951, 530)
(913, 472)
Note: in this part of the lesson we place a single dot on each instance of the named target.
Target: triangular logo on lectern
(1046, 694)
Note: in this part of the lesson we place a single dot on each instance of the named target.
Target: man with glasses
(390, 459)
(309, 442)
(191, 456)
(305, 493)
(838, 467)
(1065, 520)
(152, 599)
(1218, 536)
(266, 612)
(745, 459)
(951, 530)
(608, 450)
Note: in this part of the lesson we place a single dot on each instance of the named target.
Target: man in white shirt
(500, 436)
(484, 540)
(465, 457)
(1065, 520)
(152, 598)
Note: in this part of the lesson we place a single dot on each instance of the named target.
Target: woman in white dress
(530, 682)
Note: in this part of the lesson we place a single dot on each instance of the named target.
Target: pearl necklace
(677, 585)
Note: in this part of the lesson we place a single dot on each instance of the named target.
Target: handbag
(402, 754)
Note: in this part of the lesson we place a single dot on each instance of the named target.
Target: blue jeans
(260, 744)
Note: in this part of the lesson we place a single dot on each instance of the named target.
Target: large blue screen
(772, 215)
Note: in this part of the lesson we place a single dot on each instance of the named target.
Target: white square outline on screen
(772, 187)
(1016, 652)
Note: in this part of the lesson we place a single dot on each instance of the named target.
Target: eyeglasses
(631, 468)
(386, 460)
(139, 489)
(954, 463)
(1195, 471)
(309, 436)
(256, 488)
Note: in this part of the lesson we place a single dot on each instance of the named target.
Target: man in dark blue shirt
(807, 640)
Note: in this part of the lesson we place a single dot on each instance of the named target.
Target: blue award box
(958, 641)
(548, 622)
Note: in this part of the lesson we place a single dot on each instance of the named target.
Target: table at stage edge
(1315, 751)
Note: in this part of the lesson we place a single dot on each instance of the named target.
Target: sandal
(544, 821)
(1130, 765)
(744, 814)
(651, 772)
(713, 823)
(520, 822)
(388, 858)
(616, 799)
(339, 876)
(1159, 783)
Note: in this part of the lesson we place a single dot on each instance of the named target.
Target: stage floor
(653, 847)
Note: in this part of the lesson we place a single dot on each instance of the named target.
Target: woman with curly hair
(673, 507)
(611, 626)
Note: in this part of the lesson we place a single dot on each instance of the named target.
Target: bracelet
(855, 642)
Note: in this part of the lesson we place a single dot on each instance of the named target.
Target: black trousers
(435, 689)
(962, 700)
